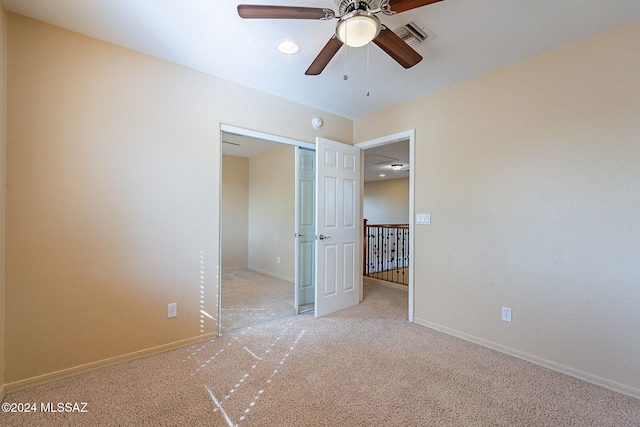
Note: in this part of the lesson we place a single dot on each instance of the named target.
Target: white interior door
(305, 227)
(338, 239)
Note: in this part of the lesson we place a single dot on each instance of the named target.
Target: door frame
(254, 134)
(384, 140)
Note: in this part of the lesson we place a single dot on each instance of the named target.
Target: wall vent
(414, 33)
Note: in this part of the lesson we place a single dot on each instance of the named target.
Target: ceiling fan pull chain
(346, 48)
(346, 76)
(368, 45)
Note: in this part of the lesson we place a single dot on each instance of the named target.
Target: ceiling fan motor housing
(347, 6)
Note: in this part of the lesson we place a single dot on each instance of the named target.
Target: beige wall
(531, 177)
(387, 201)
(3, 145)
(112, 201)
(235, 212)
(272, 212)
(113, 196)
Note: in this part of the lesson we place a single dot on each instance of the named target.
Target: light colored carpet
(363, 366)
(250, 298)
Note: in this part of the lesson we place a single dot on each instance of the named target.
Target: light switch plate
(423, 219)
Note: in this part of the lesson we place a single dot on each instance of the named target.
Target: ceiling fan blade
(391, 43)
(404, 5)
(326, 54)
(256, 11)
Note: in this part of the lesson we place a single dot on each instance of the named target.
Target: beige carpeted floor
(363, 366)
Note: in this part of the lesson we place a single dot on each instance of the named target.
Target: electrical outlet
(506, 314)
(172, 309)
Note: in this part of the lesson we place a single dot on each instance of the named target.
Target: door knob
(323, 237)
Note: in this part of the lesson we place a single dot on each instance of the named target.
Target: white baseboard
(77, 370)
(584, 376)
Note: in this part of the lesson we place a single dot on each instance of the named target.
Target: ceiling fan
(357, 26)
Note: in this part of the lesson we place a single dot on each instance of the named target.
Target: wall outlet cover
(172, 310)
(506, 314)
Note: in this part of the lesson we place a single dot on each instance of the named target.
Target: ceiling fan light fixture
(396, 167)
(357, 28)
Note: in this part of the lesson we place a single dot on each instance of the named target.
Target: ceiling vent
(414, 33)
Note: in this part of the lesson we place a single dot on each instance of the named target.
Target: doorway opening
(394, 254)
(386, 213)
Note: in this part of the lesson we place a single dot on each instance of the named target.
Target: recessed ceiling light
(382, 175)
(288, 47)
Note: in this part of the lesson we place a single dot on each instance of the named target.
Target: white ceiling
(473, 38)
